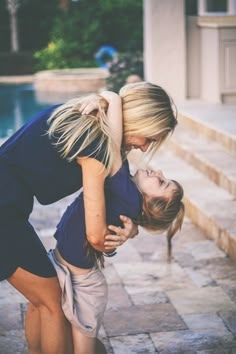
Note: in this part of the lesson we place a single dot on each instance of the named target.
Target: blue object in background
(105, 51)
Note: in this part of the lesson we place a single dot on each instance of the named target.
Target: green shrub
(78, 33)
(60, 55)
(124, 65)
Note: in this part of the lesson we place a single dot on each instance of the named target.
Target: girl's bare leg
(45, 295)
(100, 347)
(82, 343)
(86, 345)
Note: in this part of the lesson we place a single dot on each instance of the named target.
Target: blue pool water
(17, 104)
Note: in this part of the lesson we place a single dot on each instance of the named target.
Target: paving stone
(48, 242)
(105, 340)
(137, 344)
(187, 341)
(47, 232)
(141, 296)
(201, 300)
(127, 253)
(24, 308)
(229, 288)
(117, 297)
(220, 268)
(10, 317)
(184, 259)
(200, 279)
(108, 346)
(229, 318)
(158, 275)
(140, 319)
(148, 243)
(217, 351)
(9, 295)
(189, 233)
(45, 217)
(205, 249)
(201, 321)
(13, 342)
(112, 277)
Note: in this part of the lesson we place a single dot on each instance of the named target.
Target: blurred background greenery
(59, 34)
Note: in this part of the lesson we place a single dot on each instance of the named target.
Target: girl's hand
(130, 230)
(93, 103)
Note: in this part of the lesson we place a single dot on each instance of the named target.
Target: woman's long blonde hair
(161, 214)
(67, 125)
(147, 111)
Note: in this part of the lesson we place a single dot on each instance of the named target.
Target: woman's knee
(42, 293)
(51, 302)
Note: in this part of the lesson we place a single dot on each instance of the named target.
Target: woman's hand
(130, 230)
(93, 103)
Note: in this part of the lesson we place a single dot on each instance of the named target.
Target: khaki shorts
(84, 297)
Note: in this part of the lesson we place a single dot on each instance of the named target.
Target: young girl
(150, 199)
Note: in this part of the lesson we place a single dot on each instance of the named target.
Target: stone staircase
(202, 157)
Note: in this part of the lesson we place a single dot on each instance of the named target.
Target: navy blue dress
(30, 166)
(122, 198)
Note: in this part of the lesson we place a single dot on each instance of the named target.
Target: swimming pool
(17, 104)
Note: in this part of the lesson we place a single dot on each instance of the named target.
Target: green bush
(79, 32)
(124, 65)
(60, 55)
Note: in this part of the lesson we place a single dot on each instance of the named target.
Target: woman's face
(140, 142)
(154, 184)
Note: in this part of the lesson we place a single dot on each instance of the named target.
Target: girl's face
(140, 142)
(154, 184)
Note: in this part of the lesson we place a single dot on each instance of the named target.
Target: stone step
(215, 122)
(207, 156)
(207, 205)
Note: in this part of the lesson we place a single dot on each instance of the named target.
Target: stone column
(165, 45)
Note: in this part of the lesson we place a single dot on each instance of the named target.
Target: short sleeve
(94, 149)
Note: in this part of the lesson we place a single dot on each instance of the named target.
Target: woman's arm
(114, 113)
(94, 174)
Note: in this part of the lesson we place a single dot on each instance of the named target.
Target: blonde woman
(149, 198)
(50, 157)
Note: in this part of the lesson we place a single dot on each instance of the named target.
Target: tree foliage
(87, 24)
(35, 19)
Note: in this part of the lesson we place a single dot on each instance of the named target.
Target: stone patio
(186, 306)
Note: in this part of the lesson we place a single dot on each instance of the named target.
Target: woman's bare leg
(45, 295)
(33, 329)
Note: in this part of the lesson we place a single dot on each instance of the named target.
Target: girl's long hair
(161, 214)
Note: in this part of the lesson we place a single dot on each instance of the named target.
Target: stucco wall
(165, 45)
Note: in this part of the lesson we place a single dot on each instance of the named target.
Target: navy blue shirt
(122, 198)
(38, 167)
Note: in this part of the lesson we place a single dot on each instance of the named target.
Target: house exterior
(190, 48)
